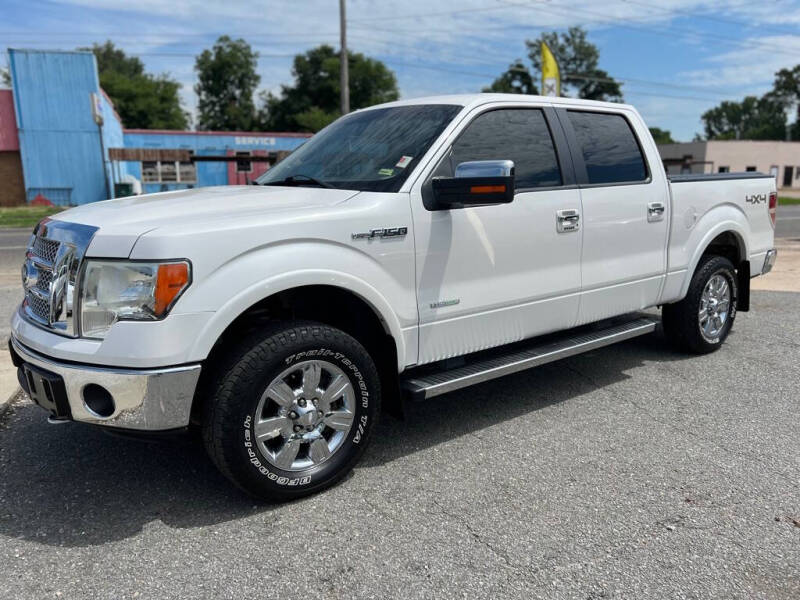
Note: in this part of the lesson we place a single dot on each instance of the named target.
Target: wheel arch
(367, 320)
(727, 238)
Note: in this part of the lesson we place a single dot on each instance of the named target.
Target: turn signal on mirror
(487, 189)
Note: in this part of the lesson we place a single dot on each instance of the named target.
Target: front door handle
(655, 211)
(567, 220)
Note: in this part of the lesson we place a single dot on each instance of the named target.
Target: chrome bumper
(769, 261)
(143, 399)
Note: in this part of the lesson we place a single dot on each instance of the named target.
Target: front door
(491, 275)
(625, 213)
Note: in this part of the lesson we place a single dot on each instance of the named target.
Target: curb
(6, 404)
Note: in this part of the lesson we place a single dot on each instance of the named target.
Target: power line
(662, 31)
(675, 11)
(438, 14)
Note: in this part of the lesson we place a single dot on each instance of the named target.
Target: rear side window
(520, 135)
(610, 150)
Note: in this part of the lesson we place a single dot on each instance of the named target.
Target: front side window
(610, 150)
(520, 135)
(370, 150)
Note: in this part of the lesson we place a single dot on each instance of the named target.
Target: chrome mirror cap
(485, 168)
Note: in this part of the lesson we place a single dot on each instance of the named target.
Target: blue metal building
(67, 125)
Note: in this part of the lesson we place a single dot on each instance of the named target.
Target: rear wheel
(703, 319)
(291, 412)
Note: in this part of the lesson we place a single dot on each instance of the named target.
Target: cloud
(751, 67)
(469, 41)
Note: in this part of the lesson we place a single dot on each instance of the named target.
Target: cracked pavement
(628, 472)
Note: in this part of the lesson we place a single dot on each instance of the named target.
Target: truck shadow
(75, 486)
(430, 423)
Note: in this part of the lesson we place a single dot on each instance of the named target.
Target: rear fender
(727, 218)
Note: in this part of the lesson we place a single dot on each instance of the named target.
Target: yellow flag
(551, 78)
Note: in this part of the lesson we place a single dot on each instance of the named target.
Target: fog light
(98, 400)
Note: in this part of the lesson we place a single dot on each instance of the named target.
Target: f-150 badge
(381, 233)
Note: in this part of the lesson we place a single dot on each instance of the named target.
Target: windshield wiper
(300, 179)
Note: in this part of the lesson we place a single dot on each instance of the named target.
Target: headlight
(114, 291)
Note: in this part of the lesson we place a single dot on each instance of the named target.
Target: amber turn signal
(172, 280)
(487, 189)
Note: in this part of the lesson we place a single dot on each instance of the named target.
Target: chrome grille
(49, 274)
(46, 249)
(43, 283)
(40, 308)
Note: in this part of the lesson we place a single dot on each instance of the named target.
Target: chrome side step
(423, 383)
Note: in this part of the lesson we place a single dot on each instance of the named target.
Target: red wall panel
(8, 122)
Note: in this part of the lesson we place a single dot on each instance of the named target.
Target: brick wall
(12, 186)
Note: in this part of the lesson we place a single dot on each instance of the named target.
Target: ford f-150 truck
(407, 250)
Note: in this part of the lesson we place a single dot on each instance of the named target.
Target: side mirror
(476, 183)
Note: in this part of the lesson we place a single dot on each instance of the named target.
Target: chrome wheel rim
(304, 415)
(715, 304)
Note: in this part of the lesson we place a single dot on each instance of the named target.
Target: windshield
(372, 150)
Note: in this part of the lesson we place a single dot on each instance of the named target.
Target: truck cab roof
(471, 100)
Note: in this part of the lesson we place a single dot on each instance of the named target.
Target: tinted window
(610, 150)
(510, 134)
(371, 150)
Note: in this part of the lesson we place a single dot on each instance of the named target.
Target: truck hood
(121, 222)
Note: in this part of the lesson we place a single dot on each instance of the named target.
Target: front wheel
(703, 319)
(291, 412)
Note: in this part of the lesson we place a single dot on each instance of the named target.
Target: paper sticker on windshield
(404, 162)
(386, 172)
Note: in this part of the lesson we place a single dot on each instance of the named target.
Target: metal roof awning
(176, 154)
(149, 154)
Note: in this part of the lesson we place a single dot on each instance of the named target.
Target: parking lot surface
(629, 472)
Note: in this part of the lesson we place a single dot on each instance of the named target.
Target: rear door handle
(567, 220)
(655, 211)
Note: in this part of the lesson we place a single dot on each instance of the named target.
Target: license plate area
(47, 390)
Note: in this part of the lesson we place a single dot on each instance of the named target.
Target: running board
(422, 383)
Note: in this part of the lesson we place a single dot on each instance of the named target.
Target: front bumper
(142, 399)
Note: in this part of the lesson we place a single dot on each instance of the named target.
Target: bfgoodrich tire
(291, 411)
(703, 319)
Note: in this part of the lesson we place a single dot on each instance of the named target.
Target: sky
(675, 58)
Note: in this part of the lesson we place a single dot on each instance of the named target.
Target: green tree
(226, 82)
(786, 91)
(661, 136)
(577, 61)
(143, 100)
(751, 119)
(516, 80)
(5, 77)
(312, 101)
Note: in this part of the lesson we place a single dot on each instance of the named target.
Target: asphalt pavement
(629, 472)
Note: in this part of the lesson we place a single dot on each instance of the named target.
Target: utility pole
(344, 77)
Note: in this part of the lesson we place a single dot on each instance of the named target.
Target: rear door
(625, 219)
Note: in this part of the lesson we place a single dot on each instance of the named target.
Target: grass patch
(784, 201)
(25, 216)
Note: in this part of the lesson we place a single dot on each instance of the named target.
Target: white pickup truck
(409, 249)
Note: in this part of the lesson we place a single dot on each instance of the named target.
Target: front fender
(244, 281)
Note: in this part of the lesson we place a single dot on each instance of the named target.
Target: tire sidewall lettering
(357, 431)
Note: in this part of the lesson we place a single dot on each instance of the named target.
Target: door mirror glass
(476, 183)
